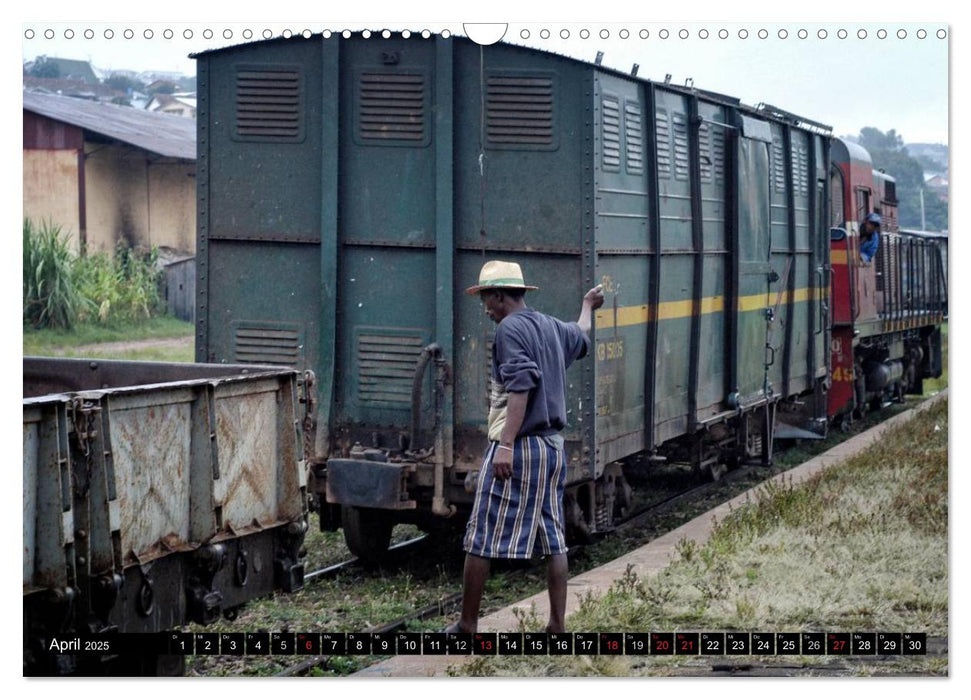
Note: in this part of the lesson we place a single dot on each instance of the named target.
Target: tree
(165, 88)
(124, 84)
(873, 139)
(888, 154)
(44, 68)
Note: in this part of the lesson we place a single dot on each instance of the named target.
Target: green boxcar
(351, 188)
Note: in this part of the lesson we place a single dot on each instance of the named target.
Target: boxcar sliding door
(753, 248)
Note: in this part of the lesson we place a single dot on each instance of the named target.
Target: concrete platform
(646, 561)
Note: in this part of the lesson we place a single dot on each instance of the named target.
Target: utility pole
(923, 224)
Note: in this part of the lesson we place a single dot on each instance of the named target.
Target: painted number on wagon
(610, 350)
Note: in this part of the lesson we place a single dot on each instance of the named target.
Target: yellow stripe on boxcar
(669, 310)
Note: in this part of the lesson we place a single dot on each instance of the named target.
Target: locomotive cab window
(836, 197)
(862, 202)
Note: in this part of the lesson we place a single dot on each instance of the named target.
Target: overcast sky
(897, 82)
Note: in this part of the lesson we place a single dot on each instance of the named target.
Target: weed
(61, 289)
(527, 620)
(51, 297)
(686, 549)
(123, 287)
(627, 584)
(658, 591)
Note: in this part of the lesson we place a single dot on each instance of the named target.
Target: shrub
(124, 287)
(51, 298)
(61, 289)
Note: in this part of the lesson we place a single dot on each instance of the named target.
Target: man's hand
(502, 462)
(595, 297)
(515, 414)
(592, 301)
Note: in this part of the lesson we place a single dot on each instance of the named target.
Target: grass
(861, 546)
(352, 601)
(77, 342)
(164, 353)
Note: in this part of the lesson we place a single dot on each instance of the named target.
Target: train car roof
(762, 110)
(855, 151)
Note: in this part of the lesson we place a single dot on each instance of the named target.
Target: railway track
(343, 566)
(409, 569)
(448, 604)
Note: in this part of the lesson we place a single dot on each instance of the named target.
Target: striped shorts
(511, 516)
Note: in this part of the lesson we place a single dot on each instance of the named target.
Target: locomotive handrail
(823, 307)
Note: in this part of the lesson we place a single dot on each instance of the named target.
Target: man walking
(519, 494)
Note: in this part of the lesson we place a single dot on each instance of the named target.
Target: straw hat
(497, 274)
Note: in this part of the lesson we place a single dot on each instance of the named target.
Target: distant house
(936, 184)
(181, 105)
(72, 87)
(67, 69)
(106, 173)
(161, 76)
(166, 87)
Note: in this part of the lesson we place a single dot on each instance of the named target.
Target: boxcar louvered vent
(268, 104)
(634, 133)
(611, 133)
(392, 107)
(680, 146)
(718, 152)
(778, 164)
(267, 344)
(386, 366)
(519, 110)
(800, 166)
(663, 143)
(704, 151)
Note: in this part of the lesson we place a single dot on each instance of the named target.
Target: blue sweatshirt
(532, 352)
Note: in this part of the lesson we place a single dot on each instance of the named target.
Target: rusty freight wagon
(154, 494)
(351, 188)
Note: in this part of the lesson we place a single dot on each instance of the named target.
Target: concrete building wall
(51, 190)
(173, 205)
(138, 198)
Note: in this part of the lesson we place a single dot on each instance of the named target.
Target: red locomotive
(887, 311)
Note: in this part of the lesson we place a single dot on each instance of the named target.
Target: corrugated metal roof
(164, 134)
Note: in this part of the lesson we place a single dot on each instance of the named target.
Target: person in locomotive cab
(519, 494)
(870, 236)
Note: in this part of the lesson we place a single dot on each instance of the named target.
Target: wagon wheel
(367, 532)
